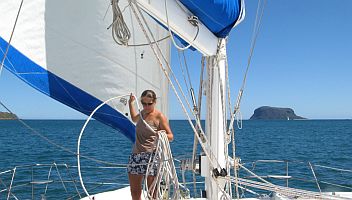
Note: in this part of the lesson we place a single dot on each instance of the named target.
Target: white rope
(183, 73)
(13, 177)
(79, 141)
(193, 20)
(290, 192)
(315, 177)
(60, 177)
(305, 193)
(237, 113)
(6, 189)
(187, 69)
(195, 140)
(9, 43)
(49, 173)
(120, 32)
(257, 25)
(166, 173)
(333, 168)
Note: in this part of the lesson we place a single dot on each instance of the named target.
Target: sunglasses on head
(145, 104)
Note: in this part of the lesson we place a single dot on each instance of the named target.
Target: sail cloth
(218, 15)
(64, 50)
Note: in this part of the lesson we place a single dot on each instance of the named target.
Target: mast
(214, 124)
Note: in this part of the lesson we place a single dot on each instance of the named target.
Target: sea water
(304, 143)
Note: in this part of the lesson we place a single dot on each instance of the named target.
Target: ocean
(302, 142)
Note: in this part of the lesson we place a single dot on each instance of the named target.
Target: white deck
(124, 193)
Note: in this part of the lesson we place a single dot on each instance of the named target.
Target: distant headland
(7, 116)
(274, 113)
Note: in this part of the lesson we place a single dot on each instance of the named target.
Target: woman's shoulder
(161, 116)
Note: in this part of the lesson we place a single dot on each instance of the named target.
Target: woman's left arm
(164, 125)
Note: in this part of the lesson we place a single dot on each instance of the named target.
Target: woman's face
(148, 103)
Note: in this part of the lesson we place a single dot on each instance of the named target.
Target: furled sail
(219, 16)
(64, 49)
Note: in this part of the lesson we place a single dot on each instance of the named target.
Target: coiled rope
(120, 32)
(166, 181)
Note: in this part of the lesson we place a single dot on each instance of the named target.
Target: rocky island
(7, 116)
(274, 113)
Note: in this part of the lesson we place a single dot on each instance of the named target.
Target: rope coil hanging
(120, 32)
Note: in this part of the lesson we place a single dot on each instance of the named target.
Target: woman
(146, 139)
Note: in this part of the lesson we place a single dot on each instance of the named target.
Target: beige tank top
(145, 138)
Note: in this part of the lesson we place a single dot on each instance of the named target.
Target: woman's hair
(149, 93)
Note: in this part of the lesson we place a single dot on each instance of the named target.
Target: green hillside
(7, 116)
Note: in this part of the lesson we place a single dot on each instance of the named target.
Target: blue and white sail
(64, 49)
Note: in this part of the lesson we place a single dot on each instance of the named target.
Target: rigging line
(228, 87)
(195, 140)
(231, 132)
(333, 168)
(49, 174)
(190, 90)
(287, 191)
(315, 177)
(107, 9)
(146, 44)
(13, 176)
(62, 181)
(134, 50)
(208, 154)
(73, 180)
(10, 64)
(120, 31)
(7, 189)
(194, 23)
(255, 34)
(254, 40)
(183, 73)
(9, 43)
(189, 77)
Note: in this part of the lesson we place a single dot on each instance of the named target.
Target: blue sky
(302, 60)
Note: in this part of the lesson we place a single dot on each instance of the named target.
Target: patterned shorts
(138, 163)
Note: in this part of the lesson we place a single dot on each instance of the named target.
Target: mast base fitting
(222, 172)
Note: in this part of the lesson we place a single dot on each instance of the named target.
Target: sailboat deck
(124, 193)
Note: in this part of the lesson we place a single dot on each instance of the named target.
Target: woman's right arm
(133, 113)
